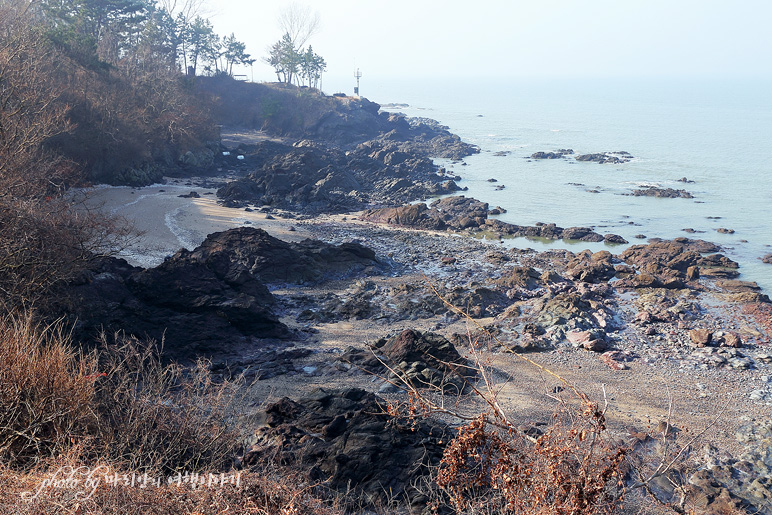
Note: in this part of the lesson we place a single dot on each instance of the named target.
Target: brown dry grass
(46, 391)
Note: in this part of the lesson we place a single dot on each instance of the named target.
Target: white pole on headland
(358, 75)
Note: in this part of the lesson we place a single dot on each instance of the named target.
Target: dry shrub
(120, 405)
(46, 391)
(570, 469)
(162, 417)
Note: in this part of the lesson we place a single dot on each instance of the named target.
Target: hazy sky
(535, 38)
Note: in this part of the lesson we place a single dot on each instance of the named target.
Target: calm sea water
(717, 134)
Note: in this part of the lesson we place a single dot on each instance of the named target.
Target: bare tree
(299, 22)
(30, 113)
(186, 9)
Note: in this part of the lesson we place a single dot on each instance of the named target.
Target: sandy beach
(167, 222)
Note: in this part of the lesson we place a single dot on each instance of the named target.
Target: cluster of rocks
(351, 155)
(351, 121)
(416, 359)
(613, 158)
(557, 154)
(460, 213)
(722, 482)
(601, 157)
(655, 191)
(314, 178)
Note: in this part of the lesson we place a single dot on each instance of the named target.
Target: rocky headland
(334, 327)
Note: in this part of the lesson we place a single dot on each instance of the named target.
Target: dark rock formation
(667, 262)
(606, 157)
(425, 360)
(653, 191)
(592, 268)
(184, 303)
(313, 178)
(462, 213)
(247, 251)
(345, 437)
(767, 259)
(558, 154)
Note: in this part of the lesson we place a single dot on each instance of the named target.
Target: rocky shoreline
(305, 319)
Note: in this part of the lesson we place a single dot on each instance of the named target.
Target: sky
(493, 39)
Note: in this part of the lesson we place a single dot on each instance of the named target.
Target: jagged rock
(731, 340)
(520, 277)
(614, 239)
(700, 337)
(558, 154)
(247, 251)
(312, 177)
(592, 268)
(346, 439)
(669, 261)
(414, 215)
(767, 259)
(183, 302)
(422, 359)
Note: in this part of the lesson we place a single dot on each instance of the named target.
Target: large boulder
(346, 439)
(679, 259)
(251, 252)
(182, 303)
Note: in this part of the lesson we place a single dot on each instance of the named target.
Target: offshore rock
(653, 191)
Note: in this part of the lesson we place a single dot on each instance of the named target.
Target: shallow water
(716, 134)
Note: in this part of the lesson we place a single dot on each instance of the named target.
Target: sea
(717, 134)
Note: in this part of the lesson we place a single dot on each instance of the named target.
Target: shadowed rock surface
(182, 302)
(422, 359)
(314, 178)
(201, 302)
(251, 252)
(346, 437)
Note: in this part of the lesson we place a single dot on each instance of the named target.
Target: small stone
(732, 340)
(700, 337)
(595, 345)
(740, 363)
(577, 337)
